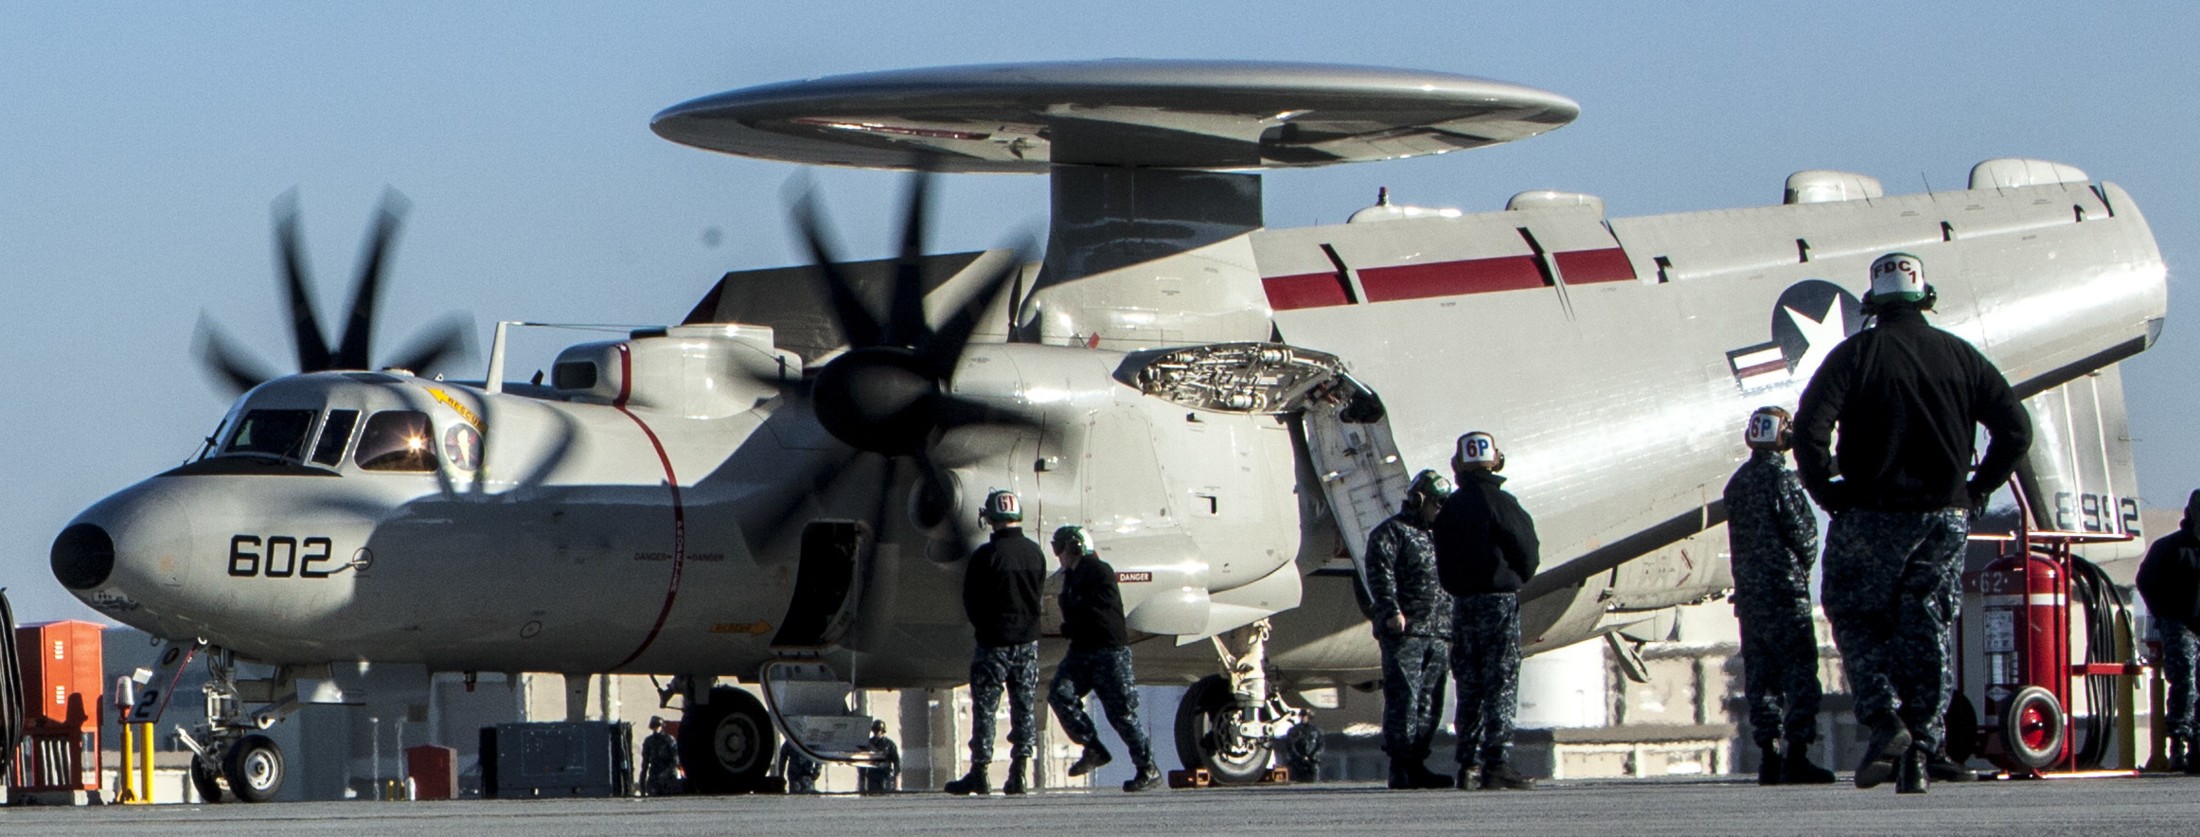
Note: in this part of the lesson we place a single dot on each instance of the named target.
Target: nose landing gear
(227, 751)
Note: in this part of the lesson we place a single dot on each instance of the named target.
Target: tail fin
(2079, 475)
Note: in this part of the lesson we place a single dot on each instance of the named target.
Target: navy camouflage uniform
(1001, 597)
(1908, 399)
(1098, 662)
(992, 669)
(660, 765)
(2169, 582)
(1486, 548)
(800, 771)
(883, 775)
(1401, 579)
(1773, 538)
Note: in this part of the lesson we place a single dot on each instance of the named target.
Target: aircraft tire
(726, 746)
(206, 779)
(254, 768)
(1198, 716)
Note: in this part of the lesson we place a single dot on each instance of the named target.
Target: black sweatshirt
(1092, 607)
(1001, 589)
(1908, 398)
(1485, 541)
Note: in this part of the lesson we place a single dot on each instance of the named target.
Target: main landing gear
(1232, 724)
(726, 741)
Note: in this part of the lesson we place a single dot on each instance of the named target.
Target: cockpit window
(396, 440)
(334, 433)
(277, 433)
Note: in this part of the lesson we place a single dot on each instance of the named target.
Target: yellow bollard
(145, 762)
(128, 795)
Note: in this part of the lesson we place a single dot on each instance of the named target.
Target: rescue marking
(679, 512)
(446, 400)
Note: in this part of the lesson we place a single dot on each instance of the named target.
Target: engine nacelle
(693, 371)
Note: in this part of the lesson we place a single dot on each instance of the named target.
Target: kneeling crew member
(1773, 538)
(1412, 618)
(1001, 597)
(1485, 549)
(1098, 662)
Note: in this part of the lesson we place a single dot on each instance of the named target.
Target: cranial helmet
(1073, 536)
(1478, 448)
(1898, 277)
(1769, 429)
(1427, 485)
(1002, 505)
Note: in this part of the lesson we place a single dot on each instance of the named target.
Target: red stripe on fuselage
(1470, 276)
(679, 512)
(1584, 267)
(1305, 290)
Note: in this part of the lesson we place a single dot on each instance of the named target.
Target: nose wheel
(254, 768)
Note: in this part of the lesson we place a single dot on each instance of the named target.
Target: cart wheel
(2034, 726)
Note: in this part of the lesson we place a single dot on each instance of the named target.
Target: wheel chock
(1197, 777)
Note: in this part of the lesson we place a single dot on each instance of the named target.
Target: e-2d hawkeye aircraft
(781, 488)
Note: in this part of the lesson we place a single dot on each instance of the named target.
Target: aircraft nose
(83, 556)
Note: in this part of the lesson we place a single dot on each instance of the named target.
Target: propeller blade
(226, 364)
(352, 352)
(905, 321)
(451, 338)
(856, 320)
(305, 326)
(945, 349)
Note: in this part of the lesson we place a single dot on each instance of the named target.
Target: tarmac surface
(2131, 805)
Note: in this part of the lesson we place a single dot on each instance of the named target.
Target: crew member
(1485, 549)
(660, 761)
(1412, 618)
(1001, 597)
(2169, 581)
(800, 771)
(1773, 538)
(1907, 399)
(1098, 662)
(883, 774)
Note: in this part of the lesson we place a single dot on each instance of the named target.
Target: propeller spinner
(447, 339)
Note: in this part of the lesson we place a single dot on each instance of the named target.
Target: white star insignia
(1820, 335)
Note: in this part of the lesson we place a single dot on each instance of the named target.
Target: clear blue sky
(141, 145)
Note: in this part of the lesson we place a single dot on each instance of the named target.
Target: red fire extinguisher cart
(2032, 673)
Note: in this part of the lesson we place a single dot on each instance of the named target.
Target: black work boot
(1890, 740)
(1771, 767)
(1094, 756)
(1400, 777)
(1910, 773)
(972, 783)
(1425, 778)
(1148, 778)
(1015, 784)
(1800, 770)
(2178, 752)
(1940, 768)
(1503, 777)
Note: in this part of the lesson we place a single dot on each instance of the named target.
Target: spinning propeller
(892, 392)
(447, 339)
